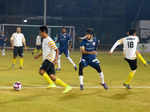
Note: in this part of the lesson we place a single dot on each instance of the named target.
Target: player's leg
(58, 81)
(83, 63)
(59, 60)
(3, 49)
(15, 53)
(20, 51)
(69, 58)
(43, 72)
(133, 67)
(96, 65)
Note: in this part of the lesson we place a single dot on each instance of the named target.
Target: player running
(3, 40)
(130, 52)
(50, 56)
(18, 41)
(88, 48)
(38, 45)
(64, 41)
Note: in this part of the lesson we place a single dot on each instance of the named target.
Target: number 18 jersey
(130, 46)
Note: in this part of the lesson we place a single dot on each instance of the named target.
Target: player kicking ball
(50, 56)
(88, 49)
(130, 52)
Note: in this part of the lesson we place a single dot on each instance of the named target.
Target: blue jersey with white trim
(63, 40)
(89, 45)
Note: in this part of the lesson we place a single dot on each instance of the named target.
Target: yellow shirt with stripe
(48, 48)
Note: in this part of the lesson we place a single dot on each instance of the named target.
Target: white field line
(77, 87)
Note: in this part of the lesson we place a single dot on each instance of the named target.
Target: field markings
(77, 87)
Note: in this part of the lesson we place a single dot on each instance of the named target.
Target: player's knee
(41, 71)
(53, 77)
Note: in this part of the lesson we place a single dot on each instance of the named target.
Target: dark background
(110, 19)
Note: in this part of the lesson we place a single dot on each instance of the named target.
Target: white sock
(3, 52)
(59, 65)
(81, 80)
(71, 61)
(102, 77)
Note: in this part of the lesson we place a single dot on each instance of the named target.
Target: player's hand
(55, 61)
(25, 48)
(110, 53)
(94, 52)
(11, 48)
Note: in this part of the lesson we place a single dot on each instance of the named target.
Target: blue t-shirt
(89, 45)
(63, 40)
(2, 38)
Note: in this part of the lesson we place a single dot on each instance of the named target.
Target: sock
(59, 65)
(61, 83)
(3, 52)
(130, 77)
(81, 80)
(14, 61)
(102, 77)
(71, 61)
(141, 58)
(47, 78)
(21, 62)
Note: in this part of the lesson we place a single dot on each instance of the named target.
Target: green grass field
(116, 99)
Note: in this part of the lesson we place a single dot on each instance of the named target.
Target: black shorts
(38, 47)
(132, 63)
(48, 66)
(18, 51)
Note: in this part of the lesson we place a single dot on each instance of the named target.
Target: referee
(17, 43)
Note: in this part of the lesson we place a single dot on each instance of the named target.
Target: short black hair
(132, 31)
(44, 29)
(90, 31)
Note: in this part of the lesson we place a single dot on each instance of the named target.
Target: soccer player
(38, 44)
(130, 52)
(3, 40)
(64, 41)
(50, 56)
(18, 42)
(88, 48)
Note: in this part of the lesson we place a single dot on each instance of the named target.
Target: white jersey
(48, 48)
(130, 46)
(38, 40)
(18, 39)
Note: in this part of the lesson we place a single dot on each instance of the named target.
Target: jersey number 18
(130, 44)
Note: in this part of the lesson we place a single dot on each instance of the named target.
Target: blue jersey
(63, 40)
(2, 40)
(89, 45)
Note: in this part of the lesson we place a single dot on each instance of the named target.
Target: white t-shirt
(48, 48)
(38, 40)
(18, 39)
(130, 46)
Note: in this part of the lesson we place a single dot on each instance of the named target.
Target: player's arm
(12, 41)
(117, 43)
(24, 42)
(141, 57)
(83, 51)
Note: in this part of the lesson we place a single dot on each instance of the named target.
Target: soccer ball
(17, 86)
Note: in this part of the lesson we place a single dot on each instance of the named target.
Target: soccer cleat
(105, 86)
(51, 86)
(58, 69)
(75, 67)
(67, 89)
(127, 86)
(81, 87)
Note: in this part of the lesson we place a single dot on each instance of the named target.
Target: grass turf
(90, 100)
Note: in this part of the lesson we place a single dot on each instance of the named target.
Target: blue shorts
(66, 52)
(91, 62)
